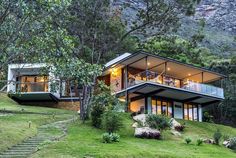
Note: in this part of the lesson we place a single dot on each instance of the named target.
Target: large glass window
(32, 84)
(154, 107)
(190, 112)
(69, 89)
(170, 112)
(138, 106)
(158, 107)
(162, 107)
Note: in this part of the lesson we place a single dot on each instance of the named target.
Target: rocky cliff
(220, 17)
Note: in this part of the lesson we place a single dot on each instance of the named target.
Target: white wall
(178, 110)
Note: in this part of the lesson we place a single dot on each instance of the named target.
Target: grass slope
(85, 141)
(15, 127)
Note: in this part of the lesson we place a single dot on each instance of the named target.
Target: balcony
(154, 77)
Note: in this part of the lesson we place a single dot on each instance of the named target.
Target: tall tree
(225, 112)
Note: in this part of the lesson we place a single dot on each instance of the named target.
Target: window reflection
(162, 107)
(190, 112)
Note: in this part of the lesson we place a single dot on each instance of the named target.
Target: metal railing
(172, 82)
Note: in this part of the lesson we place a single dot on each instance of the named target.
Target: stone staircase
(31, 145)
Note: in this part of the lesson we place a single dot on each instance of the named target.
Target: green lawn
(85, 141)
(15, 127)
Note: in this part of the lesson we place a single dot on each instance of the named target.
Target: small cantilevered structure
(154, 84)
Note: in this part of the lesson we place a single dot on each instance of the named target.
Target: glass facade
(32, 84)
(162, 107)
(191, 112)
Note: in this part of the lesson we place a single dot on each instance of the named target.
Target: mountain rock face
(219, 14)
(220, 18)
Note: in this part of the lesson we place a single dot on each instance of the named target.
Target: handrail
(191, 86)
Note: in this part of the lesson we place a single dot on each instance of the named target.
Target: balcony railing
(173, 82)
(32, 87)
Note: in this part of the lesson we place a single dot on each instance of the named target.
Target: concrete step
(10, 156)
(17, 153)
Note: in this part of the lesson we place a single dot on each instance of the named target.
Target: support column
(202, 77)
(200, 113)
(126, 77)
(148, 105)
(127, 108)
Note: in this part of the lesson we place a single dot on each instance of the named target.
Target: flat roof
(138, 56)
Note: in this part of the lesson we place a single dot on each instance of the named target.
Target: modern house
(153, 84)
(31, 84)
(147, 83)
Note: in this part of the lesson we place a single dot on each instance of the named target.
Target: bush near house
(112, 121)
(199, 142)
(109, 138)
(157, 121)
(188, 140)
(217, 136)
(96, 115)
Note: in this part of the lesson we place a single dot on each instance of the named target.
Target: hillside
(220, 18)
(14, 126)
(85, 141)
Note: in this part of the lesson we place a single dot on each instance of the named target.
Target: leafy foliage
(107, 138)
(115, 137)
(112, 121)
(96, 115)
(217, 136)
(225, 112)
(207, 117)
(188, 140)
(199, 142)
(157, 121)
(179, 49)
(110, 137)
(101, 101)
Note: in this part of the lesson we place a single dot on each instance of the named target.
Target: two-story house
(153, 84)
(147, 83)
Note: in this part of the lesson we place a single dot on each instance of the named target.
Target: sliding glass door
(191, 112)
(162, 107)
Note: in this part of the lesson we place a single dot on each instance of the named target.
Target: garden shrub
(157, 121)
(109, 138)
(188, 140)
(101, 101)
(115, 137)
(180, 128)
(199, 142)
(217, 136)
(106, 138)
(207, 117)
(96, 115)
(226, 137)
(112, 121)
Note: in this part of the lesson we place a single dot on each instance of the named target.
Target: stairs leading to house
(31, 145)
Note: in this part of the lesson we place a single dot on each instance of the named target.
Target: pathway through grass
(46, 133)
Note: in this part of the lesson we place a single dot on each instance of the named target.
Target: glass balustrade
(32, 86)
(149, 76)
